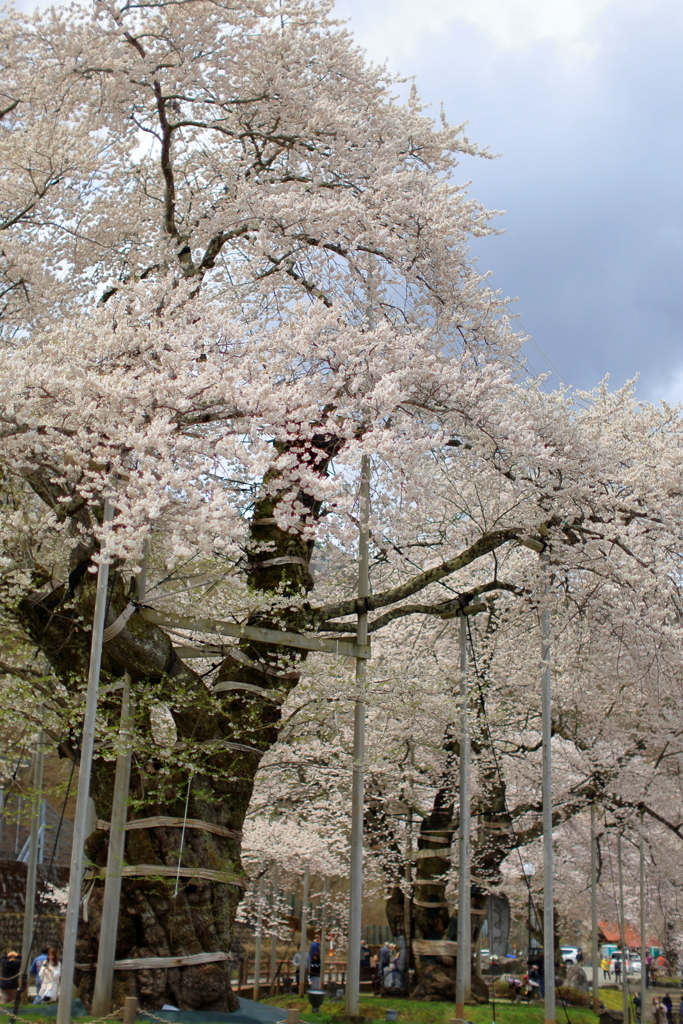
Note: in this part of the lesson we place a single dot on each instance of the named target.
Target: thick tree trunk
(225, 734)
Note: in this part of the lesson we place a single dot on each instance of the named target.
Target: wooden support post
(292, 1017)
(130, 1010)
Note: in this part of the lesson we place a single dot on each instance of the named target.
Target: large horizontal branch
(440, 608)
(489, 542)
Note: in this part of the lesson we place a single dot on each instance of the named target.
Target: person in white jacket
(50, 972)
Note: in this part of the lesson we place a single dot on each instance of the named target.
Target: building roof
(611, 933)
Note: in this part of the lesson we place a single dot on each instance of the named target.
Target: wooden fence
(335, 972)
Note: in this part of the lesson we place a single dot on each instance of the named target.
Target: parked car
(632, 962)
(569, 955)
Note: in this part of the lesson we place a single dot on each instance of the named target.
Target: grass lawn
(414, 1012)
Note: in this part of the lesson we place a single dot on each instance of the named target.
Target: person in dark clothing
(534, 983)
(668, 1006)
(314, 970)
(636, 1006)
(10, 966)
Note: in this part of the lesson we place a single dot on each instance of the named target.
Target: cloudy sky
(583, 99)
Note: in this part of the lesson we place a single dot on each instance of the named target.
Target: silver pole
(408, 896)
(32, 867)
(548, 910)
(109, 927)
(358, 781)
(273, 925)
(594, 913)
(20, 805)
(464, 959)
(643, 939)
(259, 936)
(84, 771)
(323, 931)
(622, 934)
(106, 954)
(304, 927)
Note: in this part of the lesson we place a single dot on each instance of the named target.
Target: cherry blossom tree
(232, 265)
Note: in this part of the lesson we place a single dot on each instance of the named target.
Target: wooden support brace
(345, 648)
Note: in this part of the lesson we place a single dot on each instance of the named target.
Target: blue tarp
(50, 1009)
(249, 1012)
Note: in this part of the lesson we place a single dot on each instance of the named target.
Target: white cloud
(668, 389)
(400, 28)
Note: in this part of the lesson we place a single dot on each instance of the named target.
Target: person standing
(10, 966)
(636, 1006)
(383, 962)
(314, 948)
(314, 968)
(668, 1008)
(606, 969)
(35, 969)
(50, 973)
(617, 969)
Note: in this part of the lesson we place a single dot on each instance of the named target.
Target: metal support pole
(464, 959)
(20, 805)
(548, 909)
(643, 939)
(407, 897)
(259, 935)
(84, 771)
(32, 867)
(41, 831)
(622, 934)
(2, 812)
(274, 895)
(323, 931)
(104, 977)
(304, 928)
(358, 782)
(106, 954)
(594, 913)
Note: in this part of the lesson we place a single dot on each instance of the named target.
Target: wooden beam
(345, 648)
